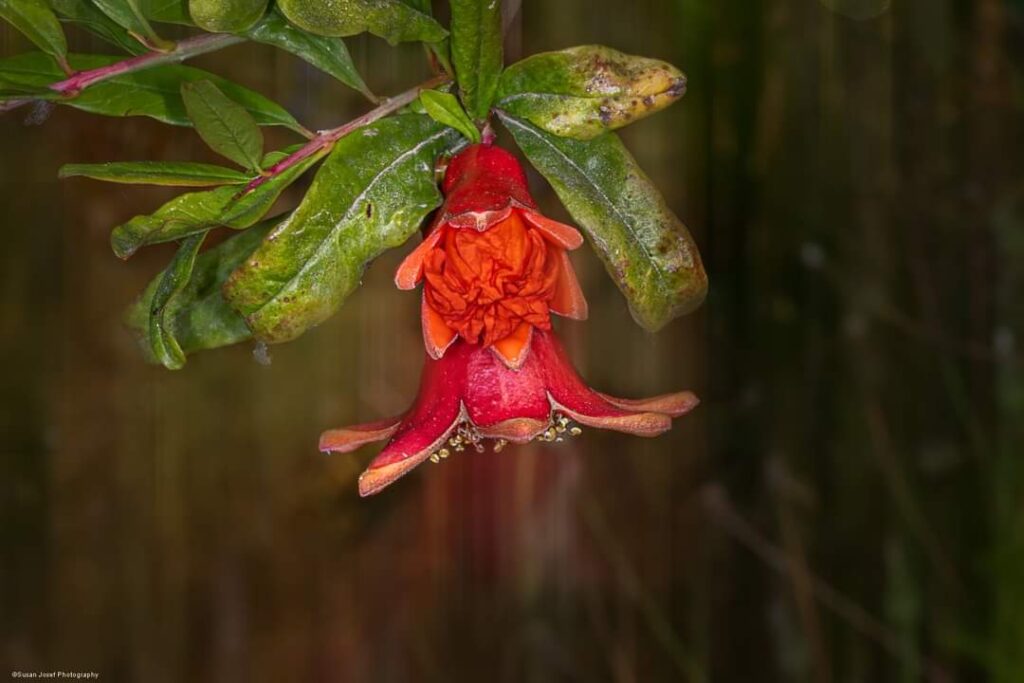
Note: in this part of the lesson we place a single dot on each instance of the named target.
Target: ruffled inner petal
(568, 299)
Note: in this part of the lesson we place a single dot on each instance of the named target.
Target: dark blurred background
(846, 504)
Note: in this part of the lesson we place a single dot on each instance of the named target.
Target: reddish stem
(190, 47)
(325, 139)
(488, 136)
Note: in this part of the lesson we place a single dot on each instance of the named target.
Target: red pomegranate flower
(493, 270)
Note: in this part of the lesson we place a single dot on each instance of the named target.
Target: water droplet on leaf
(261, 352)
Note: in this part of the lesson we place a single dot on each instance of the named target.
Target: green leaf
(195, 212)
(172, 173)
(166, 11)
(371, 195)
(584, 91)
(19, 92)
(199, 317)
(226, 16)
(91, 19)
(128, 14)
(439, 50)
(162, 344)
(645, 247)
(327, 54)
(444, 108)
(477, 52)
(154, 92)
(392, 20)
(36, 20)
(225, 126)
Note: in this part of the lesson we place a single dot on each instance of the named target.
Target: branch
(190, 47)
(325, 139)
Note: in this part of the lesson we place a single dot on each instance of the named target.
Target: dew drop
(40, 111)
(261, 352)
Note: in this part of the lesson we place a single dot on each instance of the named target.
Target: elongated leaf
(195, 212)
(172, 173)
(439, 51)
(226, 16)
(224, 125)
(162, 344)
(36, 20)
(327, 54)
(477, 52)
(645, 247)
(25, 92)
(166, 11)
(445, 108)
(371, 195)
(198, 317)
(154, 92)
(86, 15)
(128, 13)
(584, 91)
(392, 20)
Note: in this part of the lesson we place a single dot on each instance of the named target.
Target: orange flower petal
(568, 300)
(348, 439)
(437, 336)
(375, 478)
(674, 405)
(561, 234)
(410, 272)
(513, 349)
(639, 424)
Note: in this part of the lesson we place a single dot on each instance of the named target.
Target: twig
(190, 47)
(509, 12)
(716, 502)
(661, 627)
(325, 139)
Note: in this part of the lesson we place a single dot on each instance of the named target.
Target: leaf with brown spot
(584, 91)
(645, 248)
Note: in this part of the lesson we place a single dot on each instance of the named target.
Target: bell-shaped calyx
(469, 396)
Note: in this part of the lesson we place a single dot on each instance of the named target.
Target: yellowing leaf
(645, 248)
(584, 91)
